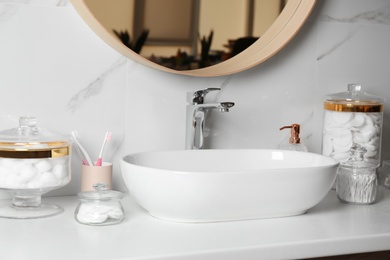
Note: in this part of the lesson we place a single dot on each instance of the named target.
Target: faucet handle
(197, 97)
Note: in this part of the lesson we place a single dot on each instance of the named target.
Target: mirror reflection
(186, 34)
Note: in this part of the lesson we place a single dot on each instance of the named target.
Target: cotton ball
(13, 165)
(30, 161)
(60, 171)
(34, 184)
(27, 173)
(12, 182)
(43, 165)
(3, 174)
(47, 179)
(61, 160)
(23, 186)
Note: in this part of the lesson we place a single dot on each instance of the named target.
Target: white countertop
(330, 228)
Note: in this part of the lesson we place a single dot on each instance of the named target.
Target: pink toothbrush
(107, 138)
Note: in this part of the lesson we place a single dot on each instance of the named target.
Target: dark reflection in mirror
(187, 34)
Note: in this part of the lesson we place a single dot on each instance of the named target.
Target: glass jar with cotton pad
(33, 161)
(99, 207)
(353, 118)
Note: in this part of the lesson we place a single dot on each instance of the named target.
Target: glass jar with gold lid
(350, 118)
(33, 161)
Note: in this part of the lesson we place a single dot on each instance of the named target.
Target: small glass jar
(357, 181)
(99, 207)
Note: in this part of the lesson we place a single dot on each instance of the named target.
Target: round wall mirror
(196, 37)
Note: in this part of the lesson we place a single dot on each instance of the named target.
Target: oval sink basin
(226, 185)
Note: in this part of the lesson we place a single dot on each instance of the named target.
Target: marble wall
(54, 67)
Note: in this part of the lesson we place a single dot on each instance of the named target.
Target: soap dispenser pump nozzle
(294, 138)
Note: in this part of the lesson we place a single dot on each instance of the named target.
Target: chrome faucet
(197, 112)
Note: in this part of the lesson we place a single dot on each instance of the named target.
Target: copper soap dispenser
(294, 143)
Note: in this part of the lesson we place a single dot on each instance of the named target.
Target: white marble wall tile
(156, 106)
(276, 93)
(62, 73)
(355, 11)
(351, 53)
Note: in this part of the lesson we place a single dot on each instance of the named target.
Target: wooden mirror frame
(285, 27)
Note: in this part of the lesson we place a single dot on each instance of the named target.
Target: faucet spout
(225, 106)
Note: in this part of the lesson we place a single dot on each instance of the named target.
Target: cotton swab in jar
(107, 138)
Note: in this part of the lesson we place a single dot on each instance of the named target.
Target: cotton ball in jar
(12, 182)
(43, 165)
(27, 173)
(60, 171)
(47, 179)
(3, 174)
(13, 165)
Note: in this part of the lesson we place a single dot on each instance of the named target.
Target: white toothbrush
(85, 157)
(107, 138)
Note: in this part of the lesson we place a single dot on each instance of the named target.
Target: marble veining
(95, 87)
(7, 12)
(336, 46)
(378, 16)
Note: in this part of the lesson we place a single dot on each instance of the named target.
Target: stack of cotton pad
(342, 129)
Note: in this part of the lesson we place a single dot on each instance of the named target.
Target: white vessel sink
(225, 185)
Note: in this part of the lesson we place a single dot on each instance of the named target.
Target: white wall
(54, 67)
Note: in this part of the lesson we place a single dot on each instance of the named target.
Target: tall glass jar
(352, 134)
(352, 117)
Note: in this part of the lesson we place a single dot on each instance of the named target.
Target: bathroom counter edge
(330, 228)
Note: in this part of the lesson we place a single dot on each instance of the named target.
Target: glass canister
(357, 180)
(33, 161)
(99, 207)
(352, 117)
(352, 134)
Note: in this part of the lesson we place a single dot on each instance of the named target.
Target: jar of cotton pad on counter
(352, 133)
(99, 207)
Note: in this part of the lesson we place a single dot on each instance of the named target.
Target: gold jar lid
(353, 106)
(30, 142)
(354, 100)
